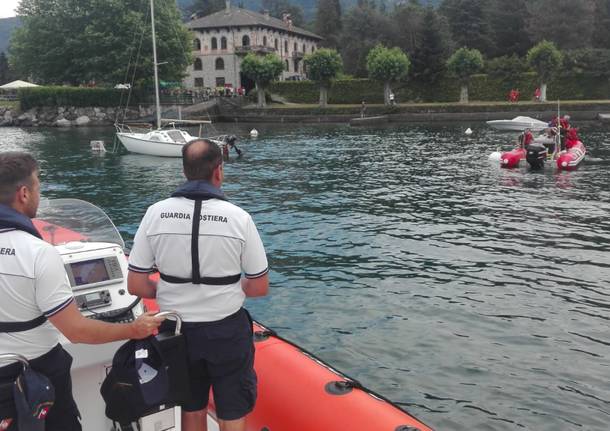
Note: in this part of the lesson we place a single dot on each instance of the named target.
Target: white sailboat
(160, 142)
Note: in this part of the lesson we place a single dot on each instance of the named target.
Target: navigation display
(89, 272)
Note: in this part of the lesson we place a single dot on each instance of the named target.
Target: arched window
(220, 64)
(245, 41)
(313, 48)
(303, 47)
(287, 66)
(276, 45)
(198, 64)
(264, 40)
(286, 47)
(196, 44)
(214, 44)
(223, 43)
(295, 47)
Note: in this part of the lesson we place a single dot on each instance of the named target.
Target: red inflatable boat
(575, 152)
(542, 149)
(511, 159)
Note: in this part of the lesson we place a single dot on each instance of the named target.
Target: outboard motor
(231, 139)
(536, 155)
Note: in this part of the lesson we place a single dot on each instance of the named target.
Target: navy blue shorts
(221, 356)
(55, 364)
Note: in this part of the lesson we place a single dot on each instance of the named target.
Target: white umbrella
(17, 84)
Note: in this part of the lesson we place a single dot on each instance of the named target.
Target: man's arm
(139, 284)
(79, 329)
(253, 287)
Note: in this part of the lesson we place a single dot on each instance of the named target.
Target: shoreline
(415, 112)
(375, 114)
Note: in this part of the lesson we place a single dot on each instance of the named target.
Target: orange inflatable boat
(296, 390)
(299, 392)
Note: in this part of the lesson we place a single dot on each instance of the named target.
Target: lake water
(474, 297)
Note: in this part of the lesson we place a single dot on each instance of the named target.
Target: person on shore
(392, 99)
(362, 109)
(37, 299)
(537, 94)
(201, 244)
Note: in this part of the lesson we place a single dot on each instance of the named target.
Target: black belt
(6, 327)
(214, 281)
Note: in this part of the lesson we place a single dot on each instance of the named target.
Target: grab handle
(176, 316)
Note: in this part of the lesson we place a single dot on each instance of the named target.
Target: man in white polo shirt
(36, 299)
(201, 244)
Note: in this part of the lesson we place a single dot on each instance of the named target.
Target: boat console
(92, 252)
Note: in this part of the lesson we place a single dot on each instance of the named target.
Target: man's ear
(21, 194)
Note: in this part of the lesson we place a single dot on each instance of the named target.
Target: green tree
(201, 8)
(469, 23)
(262, 70)
(387, 65)
(5, 71)
(430, 56)
(408, 25)
(328, 22)
(463, 64)
(508, 69)
(508, 21)
(363, 28)
(323, 66)
(74, 42)
(567, 23)
(590, 62)
(545, 59)
(601, 24)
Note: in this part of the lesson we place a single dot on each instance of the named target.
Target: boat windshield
(63, 220)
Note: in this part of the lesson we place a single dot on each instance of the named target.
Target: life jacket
(199, 191)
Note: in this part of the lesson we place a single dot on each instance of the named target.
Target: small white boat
(518, 124)
(159, 142)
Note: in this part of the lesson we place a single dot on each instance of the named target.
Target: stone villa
(222, 39)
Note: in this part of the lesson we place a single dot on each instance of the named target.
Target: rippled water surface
(476, 298)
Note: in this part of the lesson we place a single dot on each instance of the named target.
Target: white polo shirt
(33, 282)
(229, 244)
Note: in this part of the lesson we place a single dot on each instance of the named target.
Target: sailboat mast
(155, 64)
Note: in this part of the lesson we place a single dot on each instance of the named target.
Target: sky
(7, 8)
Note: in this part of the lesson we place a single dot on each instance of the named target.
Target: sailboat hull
(134, 144)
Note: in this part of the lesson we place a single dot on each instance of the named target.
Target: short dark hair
(199, 159)
(16, 169)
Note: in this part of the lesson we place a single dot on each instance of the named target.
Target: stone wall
(71, 116)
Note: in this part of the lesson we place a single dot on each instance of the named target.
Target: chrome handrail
(176, 316)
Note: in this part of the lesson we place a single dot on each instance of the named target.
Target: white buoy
(468, 131)
(496, 156)
(98, 146)
(253, 133)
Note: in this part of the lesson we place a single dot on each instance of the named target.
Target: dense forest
(428, 31)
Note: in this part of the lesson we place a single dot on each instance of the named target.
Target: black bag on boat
(145, 375)
(137, 381)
